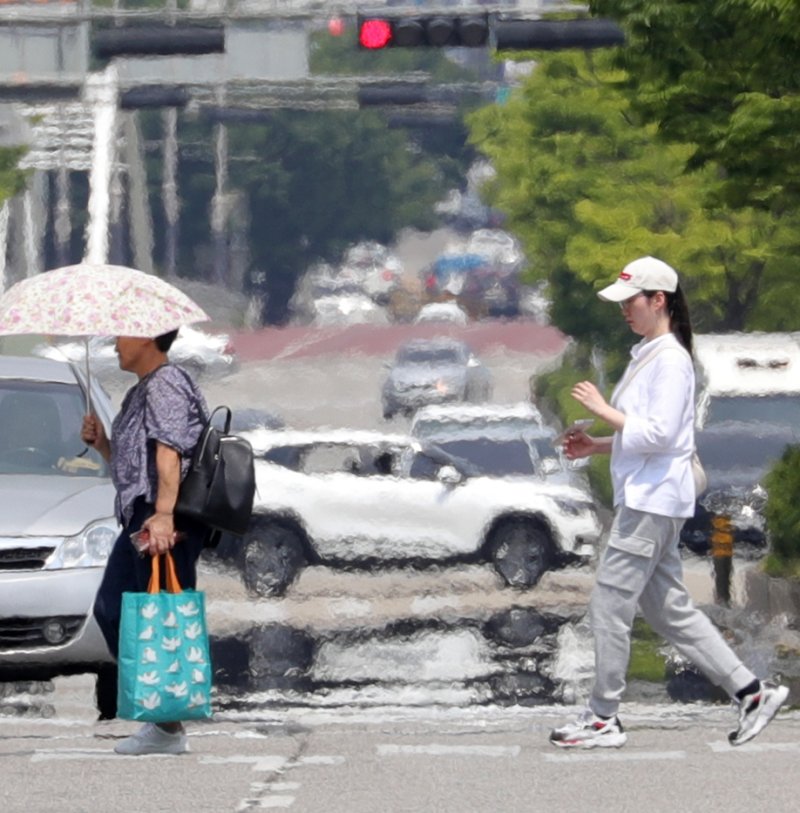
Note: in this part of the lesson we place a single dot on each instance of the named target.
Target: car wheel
(273, 556)
(521, 552)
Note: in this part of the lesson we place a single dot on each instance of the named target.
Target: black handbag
(219, 488)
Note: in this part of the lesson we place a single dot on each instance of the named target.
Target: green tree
(724, 77)
(12, 178)
(588, 186)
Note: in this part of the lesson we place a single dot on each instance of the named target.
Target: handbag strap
(623, 385)
(173, 585)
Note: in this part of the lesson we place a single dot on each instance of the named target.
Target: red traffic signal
(438, 31)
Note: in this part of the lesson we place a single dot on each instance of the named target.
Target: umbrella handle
(88, 378)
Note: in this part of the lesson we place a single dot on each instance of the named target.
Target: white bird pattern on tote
(189, 609)
(152, 701)
(147, 633)
(170, 644)
(149, 611)
(197, 699)
(177, 689)
(198, 676)
(194, 630)
(149, 655)
(175, 666)
(149, 678)
(171, 620)
(195, 655)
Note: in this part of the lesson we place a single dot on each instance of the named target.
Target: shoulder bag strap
(623, 385)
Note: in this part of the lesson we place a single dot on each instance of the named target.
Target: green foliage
(588, 186)
(783, 508)
(724, 77)
(647, 662)
(12, 178)
(311, 182)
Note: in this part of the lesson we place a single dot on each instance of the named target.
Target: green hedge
(783, 514)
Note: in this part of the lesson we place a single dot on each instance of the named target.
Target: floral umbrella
(96, 300)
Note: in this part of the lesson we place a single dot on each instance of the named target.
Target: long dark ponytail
(679, 321)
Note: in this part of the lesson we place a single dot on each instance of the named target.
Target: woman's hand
(578, 444)
(94, 434)
(587, 394)
(160, 533)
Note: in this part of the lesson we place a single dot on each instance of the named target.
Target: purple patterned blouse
(164, 406)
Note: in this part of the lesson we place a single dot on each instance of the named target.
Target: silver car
(56, 521)
(434, 371)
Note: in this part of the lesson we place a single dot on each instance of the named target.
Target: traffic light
(437, 31)
(157, 40)
(554, 35)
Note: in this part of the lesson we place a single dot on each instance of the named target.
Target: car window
(440, 355)
(780, 410)
(329, 459)
(492, 457)
(40, 431)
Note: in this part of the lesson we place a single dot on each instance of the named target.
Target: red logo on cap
(624, 276)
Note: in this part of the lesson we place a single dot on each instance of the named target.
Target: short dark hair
(165, 340)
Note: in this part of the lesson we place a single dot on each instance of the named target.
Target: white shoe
(590, 731)
(152, 739)
(757, 710)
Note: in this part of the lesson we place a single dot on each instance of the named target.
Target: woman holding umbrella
(150, 448)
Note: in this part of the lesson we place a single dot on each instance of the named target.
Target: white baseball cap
(644, 274)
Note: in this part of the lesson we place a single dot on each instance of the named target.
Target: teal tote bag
(164, 663)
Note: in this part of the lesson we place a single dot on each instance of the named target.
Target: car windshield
(498, 458)
(778, 410)
(481, 425)
(429, 355)
(41, 431)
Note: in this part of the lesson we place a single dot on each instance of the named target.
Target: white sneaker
(757, 710)
(590, 731)
(152, 739)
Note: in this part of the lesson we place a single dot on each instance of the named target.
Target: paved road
(447, 760)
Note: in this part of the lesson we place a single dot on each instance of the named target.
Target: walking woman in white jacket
(652, 414)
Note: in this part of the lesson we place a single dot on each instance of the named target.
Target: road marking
(319, 760)
(617, 756)
(262, 763)
(723, 746)
(76, 753)
(266, 802)
(450, 750)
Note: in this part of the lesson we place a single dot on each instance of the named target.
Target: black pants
(127, 571)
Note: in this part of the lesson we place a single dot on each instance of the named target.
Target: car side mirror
(449, 476)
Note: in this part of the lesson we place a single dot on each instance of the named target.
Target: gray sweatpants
(641, 566)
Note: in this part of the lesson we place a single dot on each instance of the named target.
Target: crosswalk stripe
(723, 746)
(615, 756)
(450, 750)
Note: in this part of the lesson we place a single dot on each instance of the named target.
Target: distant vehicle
(354, 498)
(57, 522)
(375, 268)
(431, 371)
(348, 309)
(448, 312)
(201, 353)
(748, 411)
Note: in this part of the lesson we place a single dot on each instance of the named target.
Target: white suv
(362, 497)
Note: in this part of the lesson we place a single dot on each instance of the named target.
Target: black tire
(273, 555)
(521, 552)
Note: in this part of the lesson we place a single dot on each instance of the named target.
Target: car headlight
(89, 548)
